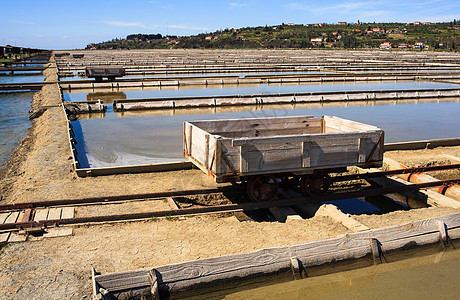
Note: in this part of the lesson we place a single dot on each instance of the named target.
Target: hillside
(417, 35)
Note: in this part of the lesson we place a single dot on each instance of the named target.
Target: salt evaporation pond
(268, 89)
(145, 139)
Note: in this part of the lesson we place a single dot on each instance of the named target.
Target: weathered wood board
(229, 149)
(230, 269)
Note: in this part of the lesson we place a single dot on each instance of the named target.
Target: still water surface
(14, 121)
(267, 89)
(433, 276)
(144, 139)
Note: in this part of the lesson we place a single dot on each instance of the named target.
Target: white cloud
(238, 4)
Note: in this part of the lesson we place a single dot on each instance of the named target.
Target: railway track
(28, 217)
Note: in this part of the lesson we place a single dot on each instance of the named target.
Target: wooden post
(375, 250)
(443, 233)
(155, 295)
(296, 268)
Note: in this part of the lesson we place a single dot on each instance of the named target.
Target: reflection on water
(142, 139)
(433, 276)
(27, 78)
(14, 121)
(106, 96)
(184, 91)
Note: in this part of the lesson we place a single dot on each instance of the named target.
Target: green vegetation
(444, 36)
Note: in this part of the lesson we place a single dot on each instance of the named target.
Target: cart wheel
(262, 187)
(315, 184)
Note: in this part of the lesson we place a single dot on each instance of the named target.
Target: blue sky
(53, 24)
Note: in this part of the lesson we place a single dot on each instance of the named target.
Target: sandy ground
(59, 268)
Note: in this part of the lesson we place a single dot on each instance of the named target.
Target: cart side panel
(270, 157)
(230, 158)
(331, 153)
(200, 148)
(336, 124)
(262, 126)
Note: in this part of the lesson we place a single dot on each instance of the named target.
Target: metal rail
(120, 198)
(226, 208)
(394, 172)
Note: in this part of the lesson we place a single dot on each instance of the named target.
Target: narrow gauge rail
(114, 199)
(249, 206)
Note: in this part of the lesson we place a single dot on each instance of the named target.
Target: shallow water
(266, 89)
(27, 78)
(144, 139)
(14, 121)
(432, 276)
(229, 74)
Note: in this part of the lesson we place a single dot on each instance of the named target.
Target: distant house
(441, 44)
(426, 23)
(208, 37)
(376, 30)
(317, 40)
(339, 37)
(290, 24)
(403, 46)
(386, 45)
(417, 23)
(335, 33)
(419, 45)
(342, 23)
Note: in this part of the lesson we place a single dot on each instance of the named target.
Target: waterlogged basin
(152, 137)
(265, 89)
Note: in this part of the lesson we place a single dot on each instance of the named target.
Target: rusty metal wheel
(315, 184)
(262, 187)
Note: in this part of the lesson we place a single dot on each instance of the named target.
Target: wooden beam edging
(70, 133)
(279, 98)
(421, 144)
(160, 167)
(232, 269)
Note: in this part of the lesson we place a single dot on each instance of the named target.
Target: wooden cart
(261, 152)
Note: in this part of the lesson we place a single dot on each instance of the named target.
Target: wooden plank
(305, 138)
(172, 203)
(332, 211)
(3, 217)
(427, 196)
(184, 276)
(4, 237)
(231, 125)
(12, 217)
(15, 237)
(291, 214)
(58, 232)
(41, 214)
(27, 215)
(187, 276)
(68, 213)
(54, 213)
